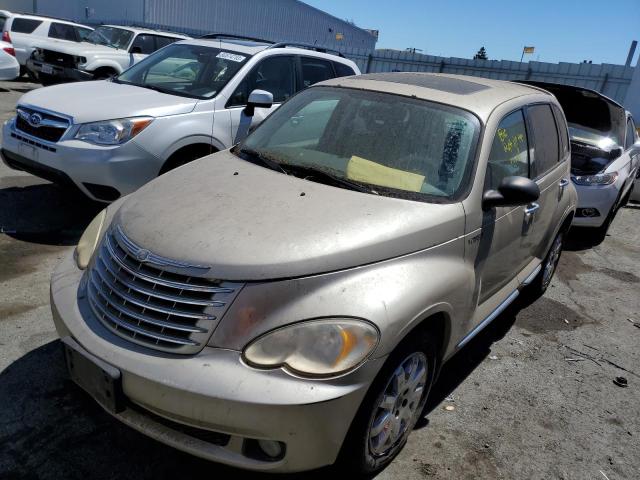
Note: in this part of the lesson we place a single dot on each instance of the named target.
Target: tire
(549, 265)
(47, 80)
(104, 74)
(186, 155)
(364, 452)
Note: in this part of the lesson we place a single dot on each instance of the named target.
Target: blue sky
(560, 30)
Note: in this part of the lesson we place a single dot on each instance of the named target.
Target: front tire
(394, 403)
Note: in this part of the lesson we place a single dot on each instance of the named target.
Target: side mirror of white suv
(259, 99)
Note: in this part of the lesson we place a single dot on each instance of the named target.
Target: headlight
(325, 347)
(89, 240)
(112, 132)
(598, 179)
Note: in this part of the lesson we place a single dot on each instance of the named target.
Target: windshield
(111, 37)
(189, 70)
(396, 146)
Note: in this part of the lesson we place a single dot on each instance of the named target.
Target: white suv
(185, 101)
(107, 51)
(24, 31)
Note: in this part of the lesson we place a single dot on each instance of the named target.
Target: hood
(105, 100)
(250, 223)
(83, 49)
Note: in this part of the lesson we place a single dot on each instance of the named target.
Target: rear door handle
(563, 183)
(532, 207)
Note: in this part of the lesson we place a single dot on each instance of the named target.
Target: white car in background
(605, 154)
(23, 31)
(107, 51)
(9, 66)
(190, 99)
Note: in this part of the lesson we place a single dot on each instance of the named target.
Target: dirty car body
(266, 306)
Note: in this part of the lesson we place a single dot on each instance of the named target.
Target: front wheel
(391, 408)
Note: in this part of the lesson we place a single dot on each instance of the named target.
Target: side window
(143, 44)
(343, 70)
(62, 31)
(274, 74)
(510, 150)
(164, 41)
(564, 135)
(545, 138)
(315, 70)
(82, 33)
(631, 135)
(25, 25)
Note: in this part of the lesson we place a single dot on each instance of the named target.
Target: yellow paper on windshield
(363, 170)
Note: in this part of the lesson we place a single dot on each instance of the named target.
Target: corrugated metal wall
(277, 20)
(611, 80)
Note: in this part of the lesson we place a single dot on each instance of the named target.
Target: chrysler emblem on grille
(142, 255)
(35, 119)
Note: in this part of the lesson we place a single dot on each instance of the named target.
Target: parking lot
(533, 396)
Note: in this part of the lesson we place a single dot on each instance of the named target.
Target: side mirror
(511, 192)
(258, 99)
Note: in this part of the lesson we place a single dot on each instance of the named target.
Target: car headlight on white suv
(597, 179)
(112, 132)
(315, 348)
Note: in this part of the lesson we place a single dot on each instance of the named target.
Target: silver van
(286, 304)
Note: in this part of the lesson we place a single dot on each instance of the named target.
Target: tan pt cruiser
(287, 304)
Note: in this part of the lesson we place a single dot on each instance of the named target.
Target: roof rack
(230, 36)
(306, 46)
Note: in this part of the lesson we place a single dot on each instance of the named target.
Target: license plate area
(99, 379)
(46, 68)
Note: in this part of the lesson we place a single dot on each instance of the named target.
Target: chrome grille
(154, 301)
(40, 124)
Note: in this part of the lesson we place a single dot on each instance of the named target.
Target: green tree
(481, 55)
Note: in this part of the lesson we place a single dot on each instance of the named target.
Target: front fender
(93, 64)
(396, 295)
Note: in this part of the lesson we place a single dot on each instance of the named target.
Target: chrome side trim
(531, 276)
(489, 319)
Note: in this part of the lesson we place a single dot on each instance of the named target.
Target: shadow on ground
(42, 212)
(49, 428)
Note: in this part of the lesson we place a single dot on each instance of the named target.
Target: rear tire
(104, 74)
(388, 413)
(549, 265)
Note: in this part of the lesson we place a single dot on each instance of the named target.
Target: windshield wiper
(263, 158)
(335, 179)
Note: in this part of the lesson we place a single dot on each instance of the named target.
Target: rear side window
(3, 20)
(25, 25)
(631, 134)
(315, 70)
(343, 70)
(164, 41)
(510, 150)
(62, 31)
(562, 129)
(545, 137)
(144, 44)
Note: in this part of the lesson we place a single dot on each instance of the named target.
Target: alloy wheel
(397, 407)
(552, 262)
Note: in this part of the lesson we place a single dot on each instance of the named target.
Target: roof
(148, 30)
(476, 94)
(8, 14)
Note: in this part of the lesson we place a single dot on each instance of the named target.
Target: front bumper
(95, 170)
(214, 390)
(63, 73)
(602, 198)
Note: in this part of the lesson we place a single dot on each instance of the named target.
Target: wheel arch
(195, 150)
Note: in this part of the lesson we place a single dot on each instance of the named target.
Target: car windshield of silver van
(188, 70)
(376, 142)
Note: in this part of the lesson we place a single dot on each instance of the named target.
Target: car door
(504, 229)
(632, 148)
(62, 31)
(275, 74)
(549, 155)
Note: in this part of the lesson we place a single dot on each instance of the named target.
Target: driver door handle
(563, 183)
(532, 207)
